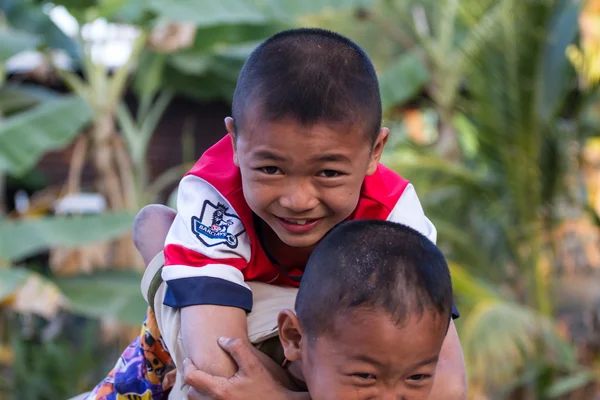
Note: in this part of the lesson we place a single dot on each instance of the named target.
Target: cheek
(419, 394)
(257, 196)
(344, 200)
(323, 386)
(322, 381)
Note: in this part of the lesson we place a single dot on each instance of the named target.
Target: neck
(287, 256)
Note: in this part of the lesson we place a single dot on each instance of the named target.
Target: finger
(241, 352)
(193, 394)
(211, 386)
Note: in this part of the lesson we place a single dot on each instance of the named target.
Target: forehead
(288, 134)
(372, 336)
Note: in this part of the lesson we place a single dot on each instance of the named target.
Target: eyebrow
(427, 361)
(332, 158)
(366, 359)
(267, 155)
(370, 360)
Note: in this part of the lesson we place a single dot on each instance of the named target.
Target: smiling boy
(301, 156)
(377, 333)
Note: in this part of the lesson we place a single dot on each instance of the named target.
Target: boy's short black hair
(312, 75)
(374, 265)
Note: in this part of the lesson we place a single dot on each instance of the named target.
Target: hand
(252, 381)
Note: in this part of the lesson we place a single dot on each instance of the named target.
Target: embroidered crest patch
(216, 226)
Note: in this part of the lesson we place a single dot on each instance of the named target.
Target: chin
(300, 243)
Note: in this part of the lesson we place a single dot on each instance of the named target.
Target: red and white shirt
(212, 248)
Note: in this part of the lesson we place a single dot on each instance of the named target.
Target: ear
(230, 126)
(290, 335)
(377, 150)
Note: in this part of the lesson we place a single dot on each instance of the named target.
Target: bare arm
(201, 326)
(451, 377)
(252, 381)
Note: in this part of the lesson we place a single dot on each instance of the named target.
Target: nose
(392, 395)
(299, 197)
(395, 394)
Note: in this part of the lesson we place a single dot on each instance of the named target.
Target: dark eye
(269, 170)
(418, 377)
(329, 173)
(365, 376)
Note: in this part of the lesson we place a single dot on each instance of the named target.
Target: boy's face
(368, 357)
(303, 180)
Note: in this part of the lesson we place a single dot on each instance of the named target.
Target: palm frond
(500, 337)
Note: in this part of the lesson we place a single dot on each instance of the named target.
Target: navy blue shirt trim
(200, 290)
(455, 313)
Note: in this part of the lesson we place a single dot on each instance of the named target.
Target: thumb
(241, 352)
(201, 381)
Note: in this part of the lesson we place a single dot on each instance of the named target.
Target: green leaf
(192, 63)
(499, 337)
(293, 9)
(212, 13)
(15, 98)
(132, 12)
(209, 38)
(25, 137)
(209, 86)
(402, 80)
(24, 238)
(473, 289)
(13, 42)
(29, 17)
(107, 294)
(554, 75)
(224, 60)
(148, 77)
(76, 5)
(208, 12)
(10, 280)
(209, 69)
(568, 384)
(407, 161)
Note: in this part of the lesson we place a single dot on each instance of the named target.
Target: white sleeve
(206, 250)
(408, 211)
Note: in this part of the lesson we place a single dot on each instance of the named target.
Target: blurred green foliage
(488, 81)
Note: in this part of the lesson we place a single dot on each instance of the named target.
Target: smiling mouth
(298, 226)
(298, 221)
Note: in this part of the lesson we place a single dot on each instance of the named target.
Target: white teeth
(297, 221)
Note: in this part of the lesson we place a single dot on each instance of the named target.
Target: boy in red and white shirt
(301, 156)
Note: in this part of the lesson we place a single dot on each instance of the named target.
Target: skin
(259, 377)
(367, 355)
(315, 175)
(321, 184)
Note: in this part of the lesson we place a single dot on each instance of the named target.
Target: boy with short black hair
(370, 317)
(301, 156)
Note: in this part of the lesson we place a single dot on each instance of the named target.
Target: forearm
(298, 396)
(201, 326)
(450, 378)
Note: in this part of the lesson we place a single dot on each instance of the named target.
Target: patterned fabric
(144, 371)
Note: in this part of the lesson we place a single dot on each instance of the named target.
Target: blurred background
(494, 107)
